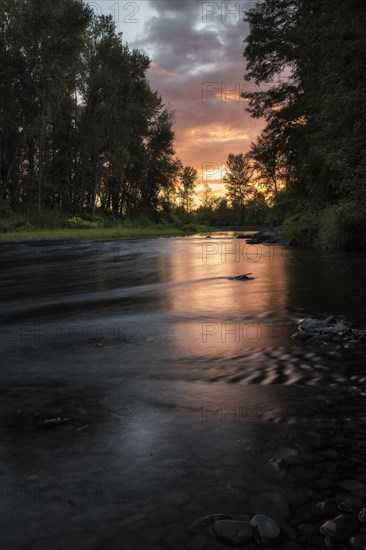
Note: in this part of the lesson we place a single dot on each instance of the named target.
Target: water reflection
(223, 317)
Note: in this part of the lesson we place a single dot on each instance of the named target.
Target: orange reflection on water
(220, 316)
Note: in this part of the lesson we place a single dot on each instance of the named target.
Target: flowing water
(140, 388)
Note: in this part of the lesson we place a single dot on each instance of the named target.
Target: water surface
(137, 378)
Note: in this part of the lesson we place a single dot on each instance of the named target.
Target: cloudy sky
(197, 65)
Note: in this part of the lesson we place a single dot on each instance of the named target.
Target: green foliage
(308, 60)
(238, 183)
(51, 219)
(343, 226)
(14, 222)
(187, 177)
(80, 124)
(78, 223)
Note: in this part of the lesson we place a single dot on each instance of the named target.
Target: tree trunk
(40, 173)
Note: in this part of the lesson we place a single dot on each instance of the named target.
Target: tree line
(308, 61)
(80, 126)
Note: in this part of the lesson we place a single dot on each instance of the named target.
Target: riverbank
(119, 232)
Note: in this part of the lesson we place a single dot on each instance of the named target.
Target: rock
(326, 508)
(244, 277)
(355, 503)
(232, 532)
(358, 541)
(268, 235)
(331, 320)
(319, 338)
(362, 515)
(271, 504)
(351, 485)
(253, 241)
(340, 528)
(338, 328)
(278, 463)
(208, 237)
(345, 507)
(311, 325)
(289, 242)
(208, 520)
(266, 530)
(302, 335)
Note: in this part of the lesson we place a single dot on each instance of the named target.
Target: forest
(308, 60)
(81, 127)
(83, 134)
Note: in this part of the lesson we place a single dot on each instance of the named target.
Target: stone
(340, 528)
(208, 520)
(302, 335)
(345, 507)
(331, 320)
(311, 325)
(289, 242)
(232, 532)
(243, 277)
(278, 463)
(271, 504)
(324, 507)
(319, 338)
(338, 328)
(266, 529)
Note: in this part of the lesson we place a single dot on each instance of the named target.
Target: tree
(208, 199)
(268, 161)
(80, 126)
(188, 177)
(311, 69)
(238, 182)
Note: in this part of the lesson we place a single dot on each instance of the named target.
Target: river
(141, 389)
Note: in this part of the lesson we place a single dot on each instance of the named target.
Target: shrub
(343, 226)
(78, 223)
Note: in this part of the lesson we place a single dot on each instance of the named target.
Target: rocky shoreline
(269, 237)
(314, 497)
(329, 330)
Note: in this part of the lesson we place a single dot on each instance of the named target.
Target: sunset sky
(197, 65)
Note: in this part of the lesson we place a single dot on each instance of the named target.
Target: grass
(119, 232)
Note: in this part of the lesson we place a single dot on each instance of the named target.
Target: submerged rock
(244, 277)
(278, 463)
(266, 529)
(271, 504)
(208, 520)
(340, 528)
(235, 533)
(362, 515)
